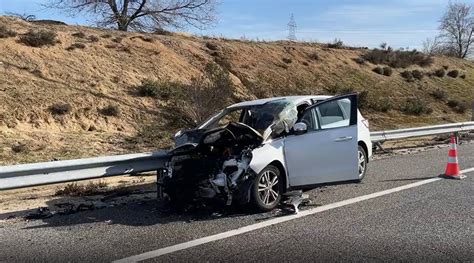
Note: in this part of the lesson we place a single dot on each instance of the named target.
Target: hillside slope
(103, 69)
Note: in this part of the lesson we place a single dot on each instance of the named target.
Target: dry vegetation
(69, 91)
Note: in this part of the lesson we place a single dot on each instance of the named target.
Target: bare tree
(457, 28)
(142, 15)
(433, 46)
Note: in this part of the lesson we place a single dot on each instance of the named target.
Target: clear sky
(400, 23)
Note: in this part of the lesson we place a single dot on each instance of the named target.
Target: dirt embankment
(95, 71)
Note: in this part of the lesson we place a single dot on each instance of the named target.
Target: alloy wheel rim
(361, 163)
(268, 188)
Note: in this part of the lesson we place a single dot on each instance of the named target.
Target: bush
(453, 73)
(76, 45)
(79, 35)
(162, 90)
(378, 70)
(408, 75)
(359, 61)
(211, 46)
(418, 74)
(453, 103)
(5, 32)
(440, 73)
(93, 38)
(416, 106)
(39, 38)
(314, 56)
(463, 76)
(106, 36)
(362, 99)
(287, 60)
(387, 71)
(205, 95)
(110, 110)
(397, 59)
(337, 43)
(75, 189)
(462, 107)
(382, 104)
(60, 108)
(439, 94)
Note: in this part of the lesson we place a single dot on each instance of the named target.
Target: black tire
(362, 163)
(265, 199)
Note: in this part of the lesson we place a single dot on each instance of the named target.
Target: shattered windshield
(282, 114)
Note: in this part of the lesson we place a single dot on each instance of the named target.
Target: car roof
(293, 99)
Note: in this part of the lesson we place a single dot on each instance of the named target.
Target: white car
(255, 151)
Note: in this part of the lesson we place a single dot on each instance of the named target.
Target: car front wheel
(267, 189)
(362, 161)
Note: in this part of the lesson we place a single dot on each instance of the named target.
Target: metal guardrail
(24, 175)
(381, 136)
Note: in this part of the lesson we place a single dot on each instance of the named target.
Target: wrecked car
(253, 152)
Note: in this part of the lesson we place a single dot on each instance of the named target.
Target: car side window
(308, 119)
(331, 115)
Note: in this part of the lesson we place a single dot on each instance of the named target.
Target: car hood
(237, 132)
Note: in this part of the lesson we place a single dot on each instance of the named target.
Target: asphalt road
(432, 222)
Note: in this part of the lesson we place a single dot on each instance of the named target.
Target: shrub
(398, 58)
(106, 36)
(305, 63)
(439, 94)
(5, 32)
(453, 103)
(39, 38)
(110, 110)
(79, 35)
(60, 108)
(19, 148)
(204, 96)
(387, 71)
(76, 45)
(453, 73)
(463, 76)
(337, 43)
(314, 56)
(408, 75)
(445, 67)
(287, 60)
(440, 73)
(418, 74)
(93, 38)
(378, 70)
(362, 99)
(163, 90)
(75, 189)
(117, 39)
(383, 105)
(416, 106)
(211, 46)
(359, 61)
(462, 107)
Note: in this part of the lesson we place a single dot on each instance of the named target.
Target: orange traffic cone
(452, 169)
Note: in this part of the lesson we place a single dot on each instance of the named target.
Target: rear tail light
(365, 122)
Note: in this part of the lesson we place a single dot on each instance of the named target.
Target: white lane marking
(249, 228)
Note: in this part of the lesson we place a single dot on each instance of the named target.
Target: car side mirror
(300, 128)
(179, 133)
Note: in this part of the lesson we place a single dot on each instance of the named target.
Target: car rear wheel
(362, 161)
(267, 189)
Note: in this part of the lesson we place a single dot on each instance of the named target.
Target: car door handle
(343, 139)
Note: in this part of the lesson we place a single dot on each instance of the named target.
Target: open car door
(323, 146)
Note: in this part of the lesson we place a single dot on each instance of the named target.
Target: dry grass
(76, 189)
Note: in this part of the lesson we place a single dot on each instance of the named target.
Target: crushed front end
(215, 168)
